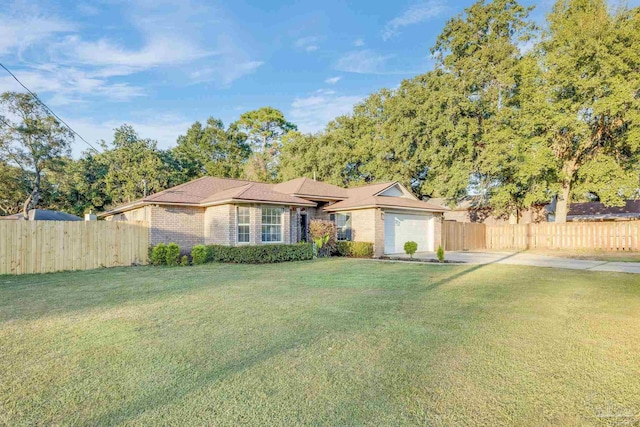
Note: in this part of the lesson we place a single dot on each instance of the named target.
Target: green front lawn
(331, 342)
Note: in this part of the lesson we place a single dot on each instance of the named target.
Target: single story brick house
(233, 212)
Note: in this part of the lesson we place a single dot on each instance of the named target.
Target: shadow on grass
(308, 336)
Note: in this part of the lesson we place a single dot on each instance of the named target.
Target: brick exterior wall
(177, 224)
(368, 226)
(219, 225)
(437, 230)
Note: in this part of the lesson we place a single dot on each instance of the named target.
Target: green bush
(173, 254)
(262, 254)
(159, 254)
(440, 254)
(184, 261)
(201, 254)
(355, 249)
(410, 248)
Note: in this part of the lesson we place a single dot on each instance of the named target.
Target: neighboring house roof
(597, 211)
(43, 215)
(302, 187)
(209, 191)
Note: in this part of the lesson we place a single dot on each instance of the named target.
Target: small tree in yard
(323, 234)
(410, 248)
(440, 254)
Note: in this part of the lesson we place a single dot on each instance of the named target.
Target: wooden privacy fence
(597, 236)
(463, 236)
(46, 246)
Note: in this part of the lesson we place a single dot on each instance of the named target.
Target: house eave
(394, 207)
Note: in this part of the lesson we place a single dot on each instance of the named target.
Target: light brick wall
(368, 226)
(139, 214)
(219, 225)
(437, 230)
(177, 224)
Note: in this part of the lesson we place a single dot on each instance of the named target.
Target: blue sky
(159, 65)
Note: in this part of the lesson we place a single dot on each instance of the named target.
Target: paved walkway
(523, 258)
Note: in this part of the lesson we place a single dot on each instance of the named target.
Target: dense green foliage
(355, 249)
(172, 254)
(262, 254)
(410, 248)
(184, 261)
(201, 254)
(159, 254)
(511, 114)
(440, 253)
(32, 140)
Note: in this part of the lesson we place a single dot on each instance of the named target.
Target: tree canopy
(512, 114)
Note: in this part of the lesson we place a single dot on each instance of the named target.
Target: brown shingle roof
(597, 210)
(255, 191)
(207, 191)
(309, 187)
(365, 196)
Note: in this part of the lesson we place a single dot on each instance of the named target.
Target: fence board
(461, 236)
(44, 246)
(599, 236)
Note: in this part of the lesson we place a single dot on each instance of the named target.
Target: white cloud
(415, 14)
(358, 43)
(365, 61)
(308, 44)
(58, 60)
(159, 50)
(69, 85)
(225, 72)
(164, 128)
(20, 30)
(333, 80)
(312, 113)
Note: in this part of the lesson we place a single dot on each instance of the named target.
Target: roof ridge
(303, 180)
(371, 184)
(248, 186)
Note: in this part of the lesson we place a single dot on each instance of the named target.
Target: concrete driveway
(523, 258)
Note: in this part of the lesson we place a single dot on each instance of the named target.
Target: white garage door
(401, 228)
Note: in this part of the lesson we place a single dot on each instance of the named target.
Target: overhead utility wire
(49, 109)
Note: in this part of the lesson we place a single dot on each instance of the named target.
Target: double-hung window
(271, 224)
(244, 224)
(343, 225)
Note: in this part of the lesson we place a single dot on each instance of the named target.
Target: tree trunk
(33, 198)
(562, 202)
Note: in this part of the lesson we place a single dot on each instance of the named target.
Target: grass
(330, 342)
(584, 254)
(590, 255)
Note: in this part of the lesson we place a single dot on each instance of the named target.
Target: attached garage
(403, 227)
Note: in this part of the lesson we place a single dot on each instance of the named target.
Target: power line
(49, 109)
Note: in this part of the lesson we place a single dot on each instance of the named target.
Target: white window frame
(262, 224)
(343, 228)
(244, 224)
